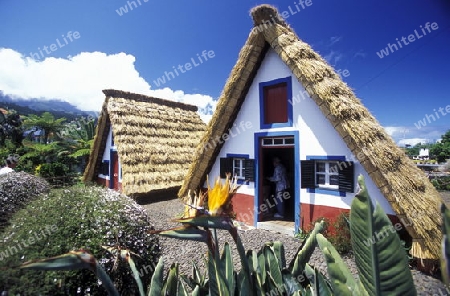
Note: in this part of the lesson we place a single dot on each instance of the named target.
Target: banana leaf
(306, 250)
(341, 278)
(381, 260)
(318, 281)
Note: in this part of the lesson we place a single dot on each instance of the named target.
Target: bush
(441, 183)
(341, 237)
(17, 189)
(71, 219)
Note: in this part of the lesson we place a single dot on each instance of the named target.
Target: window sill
(321, 190)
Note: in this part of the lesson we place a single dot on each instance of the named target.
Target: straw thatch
(407, 189)
(155, 140)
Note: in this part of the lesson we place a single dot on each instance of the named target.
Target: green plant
(381, 261)
(16, 190)
(71, 219)
(340, 237)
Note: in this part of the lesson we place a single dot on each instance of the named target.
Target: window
(104, 168)
(279, 141)
(240, 166)
(326, 175)
(331, 174)
(275, 109)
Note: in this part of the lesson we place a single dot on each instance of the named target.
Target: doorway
(283, 148)
(114, 176)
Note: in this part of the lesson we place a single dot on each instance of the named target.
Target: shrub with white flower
(86, 217)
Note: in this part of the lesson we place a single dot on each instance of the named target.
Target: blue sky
(131, 50)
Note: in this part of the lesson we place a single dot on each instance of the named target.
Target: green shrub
(441, 183)
(77, 218)
(56, 173)
(340, 238)
(16, 190)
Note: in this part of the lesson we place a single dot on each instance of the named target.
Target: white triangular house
(282, 99)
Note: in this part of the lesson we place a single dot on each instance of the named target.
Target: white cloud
(403, 135)
(81, 79)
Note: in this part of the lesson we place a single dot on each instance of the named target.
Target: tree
(11, 128)
(442, 150)
(80, 134)
(46, 123)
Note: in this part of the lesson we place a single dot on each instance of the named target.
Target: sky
(395, 55)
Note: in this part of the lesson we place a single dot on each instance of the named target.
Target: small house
(143, 144)
(282, 99)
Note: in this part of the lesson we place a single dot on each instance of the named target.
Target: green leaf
(125, 254)
(227, 264)
(183, 232)
(278, 250)
(244, 261)
(318, 281)
(445, 258)
(216, 222)
(157, 282)
(74, 260)
(217, 283)
(273, 268)
(291, 284)
(305, 251)
(257, 269)
(341, 278)
(381, 260)
(171, 283)
(195, 292)
(181, 289)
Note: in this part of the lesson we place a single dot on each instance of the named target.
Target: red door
(115, 165)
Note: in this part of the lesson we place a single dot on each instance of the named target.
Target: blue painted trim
(257, 145)
(290, 121)
(326, 157)
(326, 191)
(322, 190)
(231, 155)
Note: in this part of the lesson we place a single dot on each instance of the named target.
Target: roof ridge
(144, 98)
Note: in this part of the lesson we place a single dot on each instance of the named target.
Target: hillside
(36, 106)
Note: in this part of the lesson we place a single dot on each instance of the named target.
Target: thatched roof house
(394, 176)
(143, 144)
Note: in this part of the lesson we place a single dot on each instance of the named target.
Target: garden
(87, 240)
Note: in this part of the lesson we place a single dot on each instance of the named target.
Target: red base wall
(243, 206)
(105, 183)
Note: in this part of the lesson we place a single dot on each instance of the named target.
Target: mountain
(36, 106)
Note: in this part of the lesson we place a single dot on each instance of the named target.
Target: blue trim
(326, 157)
(290, 121)
(257, 146)
(246, 156)
(323, 190)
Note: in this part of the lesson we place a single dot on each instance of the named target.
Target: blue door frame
(257, 146)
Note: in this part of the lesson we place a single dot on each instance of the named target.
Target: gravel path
(185, 252)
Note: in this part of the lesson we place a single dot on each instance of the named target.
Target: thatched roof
(405, 186)
(155, 140)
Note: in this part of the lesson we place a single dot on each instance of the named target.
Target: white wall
(317, 135)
